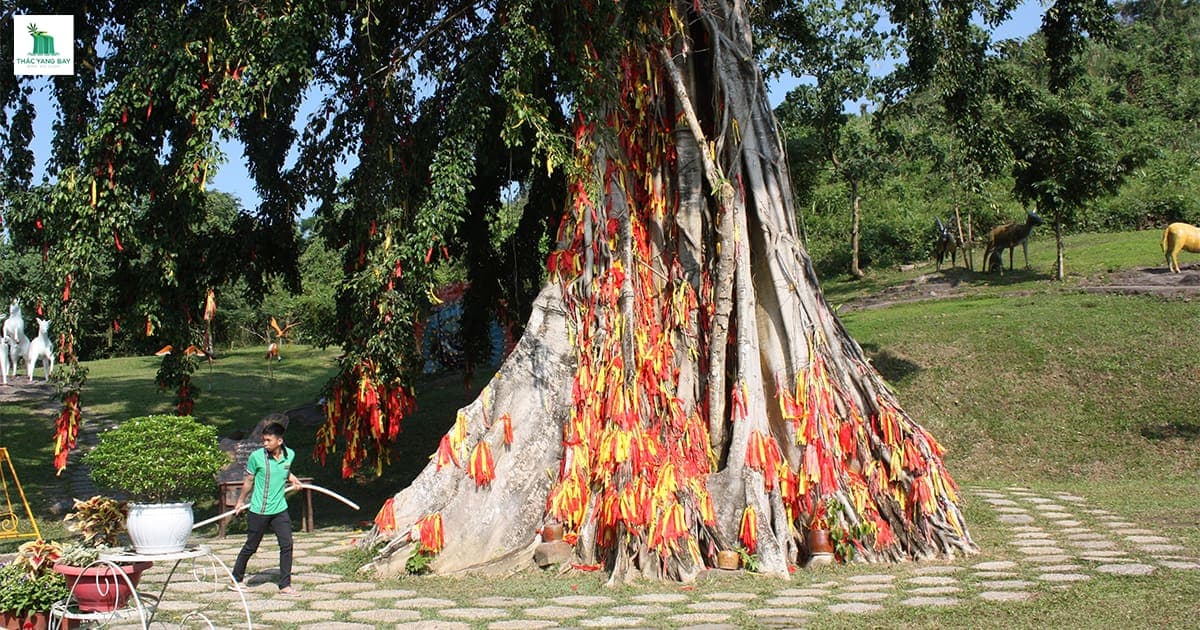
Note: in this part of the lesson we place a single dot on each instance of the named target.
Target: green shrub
(158, 459)
(22, 593)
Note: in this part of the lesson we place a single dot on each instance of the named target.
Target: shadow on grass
(1171, 431)
(893, 368)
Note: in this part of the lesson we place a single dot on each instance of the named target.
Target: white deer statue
(41, 348)
(14, 334)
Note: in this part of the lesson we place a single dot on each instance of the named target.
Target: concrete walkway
(1052, 541)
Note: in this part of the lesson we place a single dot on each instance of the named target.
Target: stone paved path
(1054, 541)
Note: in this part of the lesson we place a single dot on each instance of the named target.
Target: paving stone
(995, 565)
(348, 587)
(1066, 496)
(1036, 533)
(1001, 501)
(343, 604)
(1063, 577)
(505, 602)
(1004, 509)
(1086, 535)
(988, 494)
(660, 598)
(1005, 585)
(694, 618)
(261, 605)
(854, 607)
(1126, 569)
(1027, 528)
(932, 580)
(1040, 500)
(1160, 548)
(1094, 544)
(582, 600)
(640, 609)
(1053, 558)
(825, 585)
(862, 597)
(733, 597)
(298, 616)
(384, 594)
(311, 577)
(871, 579)
(930, 601)
(1067, 522)
(1147, 539)
(1119, 524)
(860, 588)
(1076, 530)
(424, 602)
(1180, 564)
(715, 606)
(321, 560)
(345, 625)
(1005, 596)
(778, 612)
(937, 569)
(1115, 556)
(798, 600)
(1015, 518)
(1140, 532)
(803, 592)
(934, 590)
(995, 575)
(473, 614)
(1060, 568)
(609, 621)
(554, 612)
(1040, 551)
(521, 624)
(386, 615)
(1104, 553)
(433, 625)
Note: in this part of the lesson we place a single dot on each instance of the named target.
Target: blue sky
(233, 176)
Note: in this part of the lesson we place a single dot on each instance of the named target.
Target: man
(268, 471)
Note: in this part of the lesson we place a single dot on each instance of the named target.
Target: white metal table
(205, 566)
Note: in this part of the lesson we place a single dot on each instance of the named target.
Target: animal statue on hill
(1177, 237)
(1009, 236)
(14, 332)
(947, 243)
(40, 349)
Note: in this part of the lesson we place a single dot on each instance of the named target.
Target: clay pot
(32, 621)
(552, 532)
(820, 547)
(99, 588)
(728, 560)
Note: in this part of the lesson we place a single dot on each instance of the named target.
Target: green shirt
(270, 480)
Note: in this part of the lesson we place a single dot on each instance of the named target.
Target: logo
(43, 44)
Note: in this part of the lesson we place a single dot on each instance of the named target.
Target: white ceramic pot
(157, 528)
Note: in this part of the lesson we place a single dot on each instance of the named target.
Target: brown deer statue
(1009, 236)
(1179, 237)
(947, 243)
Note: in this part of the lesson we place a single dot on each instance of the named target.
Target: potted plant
(28, 587)
(165, 463)
(816, 537)
(97, 587)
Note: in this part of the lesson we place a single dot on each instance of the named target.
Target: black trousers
(256, 526)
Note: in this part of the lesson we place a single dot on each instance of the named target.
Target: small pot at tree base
(552, 532)
(727, 560)
(818, 542)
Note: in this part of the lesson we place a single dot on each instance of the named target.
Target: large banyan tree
(681, 386)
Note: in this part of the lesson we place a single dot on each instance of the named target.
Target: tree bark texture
(683, 387)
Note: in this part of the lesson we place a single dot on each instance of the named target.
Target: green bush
(158, 459)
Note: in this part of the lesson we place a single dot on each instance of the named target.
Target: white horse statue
(40, 348)
(14, 333)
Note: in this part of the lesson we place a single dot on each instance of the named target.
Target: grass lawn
(1026, 381)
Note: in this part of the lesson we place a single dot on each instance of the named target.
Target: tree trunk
(855, 208)
(631, 424)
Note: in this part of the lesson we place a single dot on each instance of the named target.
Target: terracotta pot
(99, 588)
(32, 621)
(818, 541)
(552, 532)
(728, 560)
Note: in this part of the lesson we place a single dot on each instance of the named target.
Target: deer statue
(947, 243)
(1179, 237)
(1009, 236)
(14, 333)
(41, 348)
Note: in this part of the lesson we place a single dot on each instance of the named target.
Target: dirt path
(951, 283)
